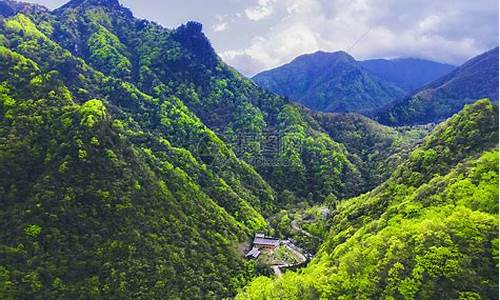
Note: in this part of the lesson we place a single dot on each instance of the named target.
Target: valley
(136, 164)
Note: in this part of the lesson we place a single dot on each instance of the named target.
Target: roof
(266, 241)
(255, 252)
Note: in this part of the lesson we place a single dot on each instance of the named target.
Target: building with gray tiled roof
(261, 241)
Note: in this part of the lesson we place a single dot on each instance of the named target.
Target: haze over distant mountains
(395, 92)
(336, 82)
(407, 73)
(476, 79)
(330, 82)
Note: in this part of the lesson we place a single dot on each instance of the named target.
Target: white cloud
(266, 52)
(261, 34)
(449, 30)
(219, 27)
(263, 9)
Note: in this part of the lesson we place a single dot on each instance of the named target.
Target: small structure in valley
(266, 249)
(261, 241)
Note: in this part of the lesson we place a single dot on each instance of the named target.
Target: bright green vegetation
(315, 163)
(279, 256)
(93, 213)
(374, 149)
(306, 225)
(181, 64)
(106, 160)
(102, 191)
(121, 173)
(429, 232)
(105, 49)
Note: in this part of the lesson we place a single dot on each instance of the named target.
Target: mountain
(409, 74)
(183, 64)
(134, 162)
(100, 197)
(330, 82)
(376, 150)
(9, 8)
(476, 79)
(430, 231)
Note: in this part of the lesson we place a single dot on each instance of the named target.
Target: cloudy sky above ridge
(255, 35)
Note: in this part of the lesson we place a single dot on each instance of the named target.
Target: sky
(257, 35)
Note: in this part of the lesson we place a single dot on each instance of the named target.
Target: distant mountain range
(329, 82)
(409, 74)
(336, 82)
(9, 8)
(476, 79)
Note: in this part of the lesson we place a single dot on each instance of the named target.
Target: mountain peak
(86, 3)
(9, 8)
(329, 81)
(192, 38)
(326, 57)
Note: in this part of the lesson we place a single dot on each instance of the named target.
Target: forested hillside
(97, 200)
(409, 74)
(429, 232)
(183, 64)
(336, 82)
(136, 164)
(375, 150)
(122, 168)
(330, 82)
(476, 79)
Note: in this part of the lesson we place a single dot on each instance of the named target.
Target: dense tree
(181, 63)
(440, 99)
(123, 173)
(330, 82)
(429, 232)
(102, 188)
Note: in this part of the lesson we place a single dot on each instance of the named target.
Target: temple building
(261, 241)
